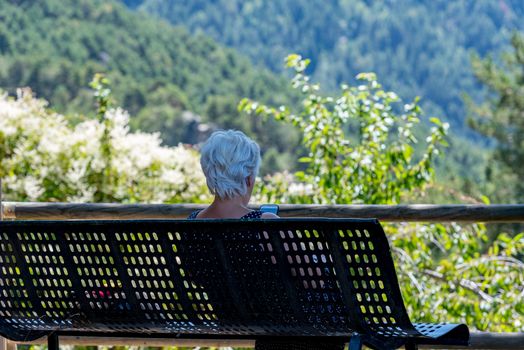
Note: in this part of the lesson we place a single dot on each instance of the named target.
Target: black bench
(222, 279)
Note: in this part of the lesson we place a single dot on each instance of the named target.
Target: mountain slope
(158, 72)
(417, 48)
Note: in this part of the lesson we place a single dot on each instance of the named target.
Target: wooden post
(1, 203)
(52, 342)
(6, 344)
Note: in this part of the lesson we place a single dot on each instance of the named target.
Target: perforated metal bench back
(303, 277)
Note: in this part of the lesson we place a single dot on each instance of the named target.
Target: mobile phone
(269, 208)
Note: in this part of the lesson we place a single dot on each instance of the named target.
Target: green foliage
(418, 47)
(360, 150)
(451, 273)
(501, 118)
(160, 73)
(104, 180)
(102, 93)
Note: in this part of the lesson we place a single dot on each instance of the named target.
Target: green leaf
(485, 199)
(435, 121)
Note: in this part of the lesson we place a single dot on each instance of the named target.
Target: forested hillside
(416, 47)
(168, 79)
(179, 80)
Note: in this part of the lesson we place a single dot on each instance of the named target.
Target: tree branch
(464, 283)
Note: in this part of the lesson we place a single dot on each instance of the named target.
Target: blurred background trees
(161, 72)
(501, 117)
(359, 144)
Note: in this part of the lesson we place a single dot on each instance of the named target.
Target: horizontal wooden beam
(488, 340)
(413, 212)
(478, 340)
(147, 342)
(497, 213)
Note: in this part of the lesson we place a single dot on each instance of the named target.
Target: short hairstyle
(227, 159)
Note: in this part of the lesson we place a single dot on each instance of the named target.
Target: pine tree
(501, 117)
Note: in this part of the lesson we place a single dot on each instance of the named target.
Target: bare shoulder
(269, 216)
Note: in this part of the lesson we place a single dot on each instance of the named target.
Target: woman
(230, 161)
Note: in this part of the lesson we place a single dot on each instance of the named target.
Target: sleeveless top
(255, 214)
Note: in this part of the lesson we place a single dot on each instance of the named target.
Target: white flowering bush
(44, 158)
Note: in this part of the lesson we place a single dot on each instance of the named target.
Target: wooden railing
(499, 213)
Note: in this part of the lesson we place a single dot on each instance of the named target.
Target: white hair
(227, 159)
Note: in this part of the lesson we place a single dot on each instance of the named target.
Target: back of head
(227, 159)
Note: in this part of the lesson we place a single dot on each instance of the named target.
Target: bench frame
(342, 240)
